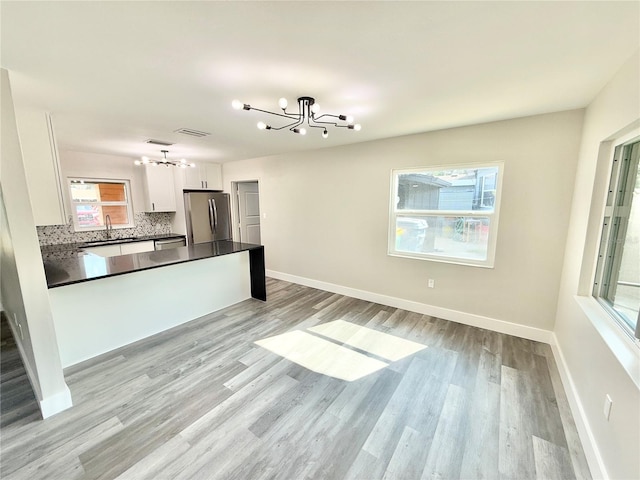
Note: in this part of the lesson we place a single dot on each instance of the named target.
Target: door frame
(235, 207)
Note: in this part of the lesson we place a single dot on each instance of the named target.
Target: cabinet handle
(153, 206)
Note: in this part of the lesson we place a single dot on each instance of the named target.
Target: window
(93, 200)
(617, 282)
(447, 214)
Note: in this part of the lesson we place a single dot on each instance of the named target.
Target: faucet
(108, 226)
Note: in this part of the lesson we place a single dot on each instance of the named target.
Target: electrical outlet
(607, 406)
(432, 283)
(17, 325)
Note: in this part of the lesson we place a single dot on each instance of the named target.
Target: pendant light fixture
(182, 163)
(307, 115)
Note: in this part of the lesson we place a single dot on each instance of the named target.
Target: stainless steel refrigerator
(208, 216)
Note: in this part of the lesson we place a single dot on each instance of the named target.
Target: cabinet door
(105, 251)
(159, 192)
(205, 176)
(191, 178)
(42, 167)
(137, 247)
(213, 176)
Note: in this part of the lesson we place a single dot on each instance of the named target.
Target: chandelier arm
(326, 115)
(291, 116)
(335, 124)
(292, 125)
(316, 126)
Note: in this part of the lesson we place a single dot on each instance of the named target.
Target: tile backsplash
(145, 224)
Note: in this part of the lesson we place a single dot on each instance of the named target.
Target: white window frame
(127, 186)
(493, 216)
(603, 273)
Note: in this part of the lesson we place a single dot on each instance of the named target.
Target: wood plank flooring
(203, 401)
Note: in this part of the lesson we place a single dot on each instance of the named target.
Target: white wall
(327, 215)
(23, 283)
(94, 165)
(599, 360)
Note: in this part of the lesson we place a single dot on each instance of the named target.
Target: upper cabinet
(159, 191)
(41, 166)
(205, 176)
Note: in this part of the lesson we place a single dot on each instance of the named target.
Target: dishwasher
(169, 243)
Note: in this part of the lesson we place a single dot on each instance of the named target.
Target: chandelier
(164, 161)
(307, 115)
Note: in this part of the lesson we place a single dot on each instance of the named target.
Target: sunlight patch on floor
(381, 344)
(328, 358)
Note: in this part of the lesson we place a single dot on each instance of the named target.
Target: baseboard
(52, 404)
(587, 438)
(501, 326)
(56, 403)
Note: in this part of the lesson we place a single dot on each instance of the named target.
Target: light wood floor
(203, 401)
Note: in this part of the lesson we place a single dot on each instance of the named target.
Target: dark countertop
(78, 266)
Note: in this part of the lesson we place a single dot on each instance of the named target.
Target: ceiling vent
(159, 142)
(192, 132)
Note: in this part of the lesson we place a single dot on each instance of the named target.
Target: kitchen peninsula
(100, 304)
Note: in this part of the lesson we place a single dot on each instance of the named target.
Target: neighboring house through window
(92, 200)
(446, 213)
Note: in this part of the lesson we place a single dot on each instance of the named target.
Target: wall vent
(159, 142)
(192, 132)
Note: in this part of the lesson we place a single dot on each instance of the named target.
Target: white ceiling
(114, 74)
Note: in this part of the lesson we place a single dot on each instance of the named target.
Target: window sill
(433, 258)
(624, 348)
(96, 229)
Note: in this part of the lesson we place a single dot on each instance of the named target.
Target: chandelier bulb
(303, 131)
(349, 119)
(325, 134)
(137, 162)
(262, 126)
(315, 108)
(357, 127)
(283, 103)
(193, 165)
(237, 105)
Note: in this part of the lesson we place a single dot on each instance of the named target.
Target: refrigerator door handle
(211, 217)
(215, 216)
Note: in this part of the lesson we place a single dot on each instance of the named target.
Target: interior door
(249, 212)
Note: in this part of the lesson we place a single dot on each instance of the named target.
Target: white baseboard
(594, 459)
(56, 403)
(52, 404)
(501, 326)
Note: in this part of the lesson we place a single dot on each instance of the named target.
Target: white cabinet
(205, 176)
(41, 166)
(105, 251)
(159, 191)
(121, 249)
(137, 247)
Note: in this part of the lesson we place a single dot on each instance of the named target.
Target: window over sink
(92, 200)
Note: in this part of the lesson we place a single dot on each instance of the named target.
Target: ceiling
(115, 74)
